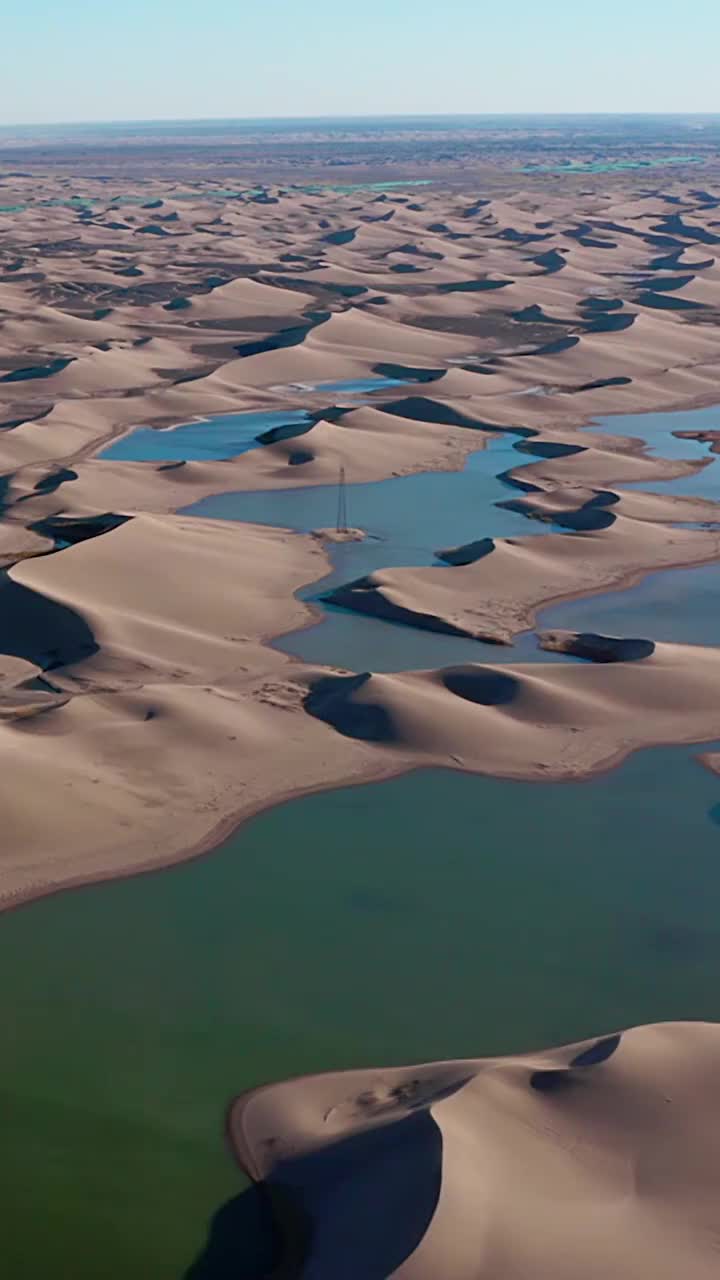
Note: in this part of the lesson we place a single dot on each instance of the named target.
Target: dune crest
(597, 1159)
(493, 594)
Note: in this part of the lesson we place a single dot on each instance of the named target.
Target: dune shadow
(606, 322)
(243, 1241)
(365, 1204)
(34, 627)
(69, 530)
(331, 699)
(593, 303)
(668, 284)
(359, 1208)
(340, 237)
(559, 1079)
(421, 409)
(468, 553)
(598, 383)
(549, 448)
(31, 372)
(674, 225)
(667, 302)
(292, 336)
(364, 596)
(549, 262)
(481, 685)
(597, 648)
(534, 314)
(474, 286)
(553, 348)
(591, 517)
(407, 373)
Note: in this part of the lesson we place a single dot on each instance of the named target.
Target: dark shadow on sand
(331, 699)
(34, 627)
(368, 1201)
(243, 1241)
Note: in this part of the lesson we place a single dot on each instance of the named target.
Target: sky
(78, 60)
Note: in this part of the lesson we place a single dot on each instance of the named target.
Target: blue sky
(66, 60)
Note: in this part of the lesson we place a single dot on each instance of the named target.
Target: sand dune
(530, 310)
(596, 1159)
(170, 736)
(551, 721)
(496, 597)
(168, 711)
(148, 590)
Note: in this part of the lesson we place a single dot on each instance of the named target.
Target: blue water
(359, 386)
(608, 166)
(681, 606)
(224, 436)
(657, 431)
(230, 434)
(349, 188)
(457, 507)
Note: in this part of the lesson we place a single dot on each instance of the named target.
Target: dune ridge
(598, 1158)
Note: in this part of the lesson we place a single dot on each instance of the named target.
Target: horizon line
(352, 116)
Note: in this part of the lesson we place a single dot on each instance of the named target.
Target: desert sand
(140, 692)
(596, 1159)
(489, 307)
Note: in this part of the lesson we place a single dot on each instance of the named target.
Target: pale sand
(497, 597)
(181, 717)
(167, 718)
(529, 720)
(598, 1159)
(153, 766)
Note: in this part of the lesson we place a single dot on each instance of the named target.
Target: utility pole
(342, 524)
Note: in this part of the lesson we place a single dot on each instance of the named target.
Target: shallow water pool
(222, 436)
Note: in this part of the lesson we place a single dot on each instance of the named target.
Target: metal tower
(342, 524)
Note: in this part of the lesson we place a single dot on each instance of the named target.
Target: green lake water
(608, 165)
(354, 927)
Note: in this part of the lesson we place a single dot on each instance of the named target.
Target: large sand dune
(496, 596)
(598, 1159)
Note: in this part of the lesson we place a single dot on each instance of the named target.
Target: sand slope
(496, 597)
(533, 720)
(598, 1159)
